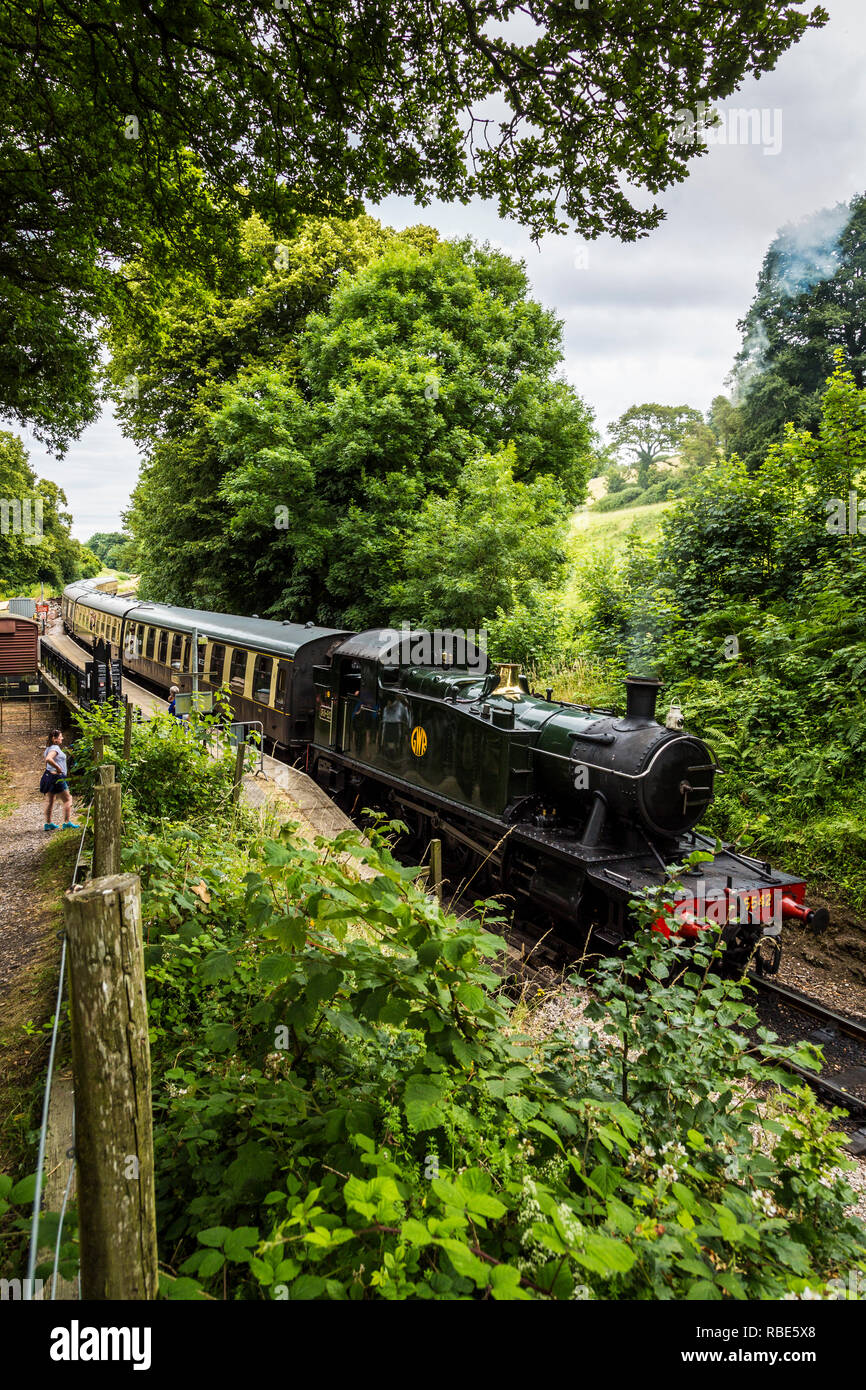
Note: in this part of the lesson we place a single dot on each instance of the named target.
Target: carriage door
(349, 704)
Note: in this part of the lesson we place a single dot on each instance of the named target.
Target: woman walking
(54, 782)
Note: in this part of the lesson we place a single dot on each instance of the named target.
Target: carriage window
(262, 679)
(176, 645)
(238, 675)
(282, 685)
(148, 650)
(163, 648)
(217, 662)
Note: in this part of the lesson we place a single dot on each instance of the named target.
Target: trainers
(70, 825)
(49, 825)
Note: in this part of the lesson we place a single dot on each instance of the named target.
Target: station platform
(278, 787)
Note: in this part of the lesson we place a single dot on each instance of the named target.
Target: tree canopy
(121, 118)
(645, 434)
(292, 484)
(35, 541)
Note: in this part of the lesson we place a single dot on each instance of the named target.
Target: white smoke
(807, 252)
(802, 255)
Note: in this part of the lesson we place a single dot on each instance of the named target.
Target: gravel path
(22, 842)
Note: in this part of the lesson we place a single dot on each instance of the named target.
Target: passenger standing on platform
(172, 708)
(54, 782)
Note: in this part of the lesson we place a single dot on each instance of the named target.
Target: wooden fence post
(106, 823)
(113, 1118)
(127, 731)
(435, 877)
(240, 762)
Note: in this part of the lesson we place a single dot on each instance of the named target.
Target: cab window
(262, 672)
(238, 671)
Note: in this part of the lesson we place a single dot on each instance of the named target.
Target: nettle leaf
(278, 855)
(239, 1242)
(289, 929)
(215, 1235)
(521, 1108)
(221, 1037)
(546, 1129)
(348, 1024)
(605, 1255)
(273, 968)
(471, 997)
(423, 1102)
(219, 965)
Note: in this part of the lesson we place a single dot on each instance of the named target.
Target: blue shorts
(52, 783)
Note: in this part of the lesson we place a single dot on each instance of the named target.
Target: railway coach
(266, 665)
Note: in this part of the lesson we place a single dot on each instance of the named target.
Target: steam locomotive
(568, 811)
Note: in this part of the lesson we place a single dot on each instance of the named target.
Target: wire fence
(29, 1283)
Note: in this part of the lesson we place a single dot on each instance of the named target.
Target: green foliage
(111, 547)
(491, 545)
(176, 769)
(751, 609)
(348, 428)
(619, 497)
(344, 1108)
(151, 122)
(645, 434)
(35, 540)
(16, 1206)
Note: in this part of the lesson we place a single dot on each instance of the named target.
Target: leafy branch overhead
(118, 120)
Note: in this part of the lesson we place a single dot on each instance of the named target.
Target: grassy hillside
(606, 532)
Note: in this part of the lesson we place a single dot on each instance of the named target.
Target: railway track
(544, 961)
(842, 1038)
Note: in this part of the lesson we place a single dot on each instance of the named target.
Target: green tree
(810, 299)
(699, 446)
(36, 544)
(491, 544)
(301, 482)
(105, 544)
(123, 118)
(646, 434)
(725, 421)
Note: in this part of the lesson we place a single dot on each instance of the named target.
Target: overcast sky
(653, 320)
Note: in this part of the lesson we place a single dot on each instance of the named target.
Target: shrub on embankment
(345, 1109)
(344, 1106)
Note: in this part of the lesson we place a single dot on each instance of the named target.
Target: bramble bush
(343, 1108)
(172, 772)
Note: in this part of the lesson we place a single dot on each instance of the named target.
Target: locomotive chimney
(640, 697)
